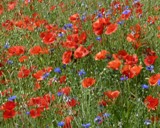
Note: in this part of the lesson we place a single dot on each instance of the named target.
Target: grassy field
(79, 64)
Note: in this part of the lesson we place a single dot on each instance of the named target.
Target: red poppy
(120, 55)
(88, 82)
(101, 55)
(67, 121)
(23, 58)
(74, 17)
(49, 97)
(151, 102)
(16, 50)
(98, 26)
(62, 79)
(11, 5)
(126, 71)
(131, 38)
(34, 113)
(9, 105)
(37, 86)
(111, 28)
(114, 64)
(48, 37)
(35, 50)
(9, 114)
(150, 60)
(154, 79)
(23, 73)
(66, 57)
(8, 25)
(80, 52)
(72, 103)
(1, 9)
(66, 90)
(112, 94)
(38, 75)
(70, 44)
(136, 70)
(131, 59)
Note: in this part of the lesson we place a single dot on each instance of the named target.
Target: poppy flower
(48, 37)
(101, 55)
(67, 121)
(66, 57)
(37, 86)
(66, 90)
(9, 114)
(9, 105)
(34, 113)
(112, 94)
(80, 52)
(38, 75)
(1, 9)
(114, 64)
(35, 50)
(136, 69)
(88, 82)
(23, 58)
(24, 72)
(16, 50)
(154, 79)
(131, 59)
(70, 44)
(126, 71)
(120, 55)
(111, 29)
(11, 5)
(74, 18)
(150, 60)
(72, 102)
(151, 102)
(62, 79)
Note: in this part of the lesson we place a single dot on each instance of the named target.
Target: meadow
(79, 64)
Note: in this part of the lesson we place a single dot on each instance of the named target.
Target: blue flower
(6, 45)
(150, 68)
(147, 122)
(86, 125)
(12, 98)
(98, 119)
(61, 124)
(98, 38)
(9, 62)
(82, 72)
(144, 86)
(124, 78)
(106, 115)
(45, 75)
(127, 11)
(158, 83)
(57, 70)
(59, 94)
(27, 113)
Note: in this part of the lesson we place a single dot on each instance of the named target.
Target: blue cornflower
(147, 122)
(127, 11)
(83, 18)
(60, 34)
(144, 86)
(100, 15)
(12, 98)
(98, 119)
(124, 78)
(9, 62)
(86, 125)
(82, 72)
(59, 94)
(6, 45)
(69, 25)
(57, 70)
(150, 68)
(27, 113)
(61, 124)
(98, 38)
(106, 115)
(121, 22)
(45, 75)
(158, 83)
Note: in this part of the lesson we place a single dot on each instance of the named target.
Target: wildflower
(61, 124)
(12, 98)
(150, 68)
(98, 38)
(86, 125)
(111, 29)
(82, 73)
(45, 75)
(106, 115)
(144, 86)
(57, 70)
(98, 120)
(87, 82)
(147, 122)
(6, 46)
(158, 83)
(123, 78)
(127, 11)
(10, 62)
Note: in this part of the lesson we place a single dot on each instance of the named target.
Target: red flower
(16, 50)
(151, 103)
(34, 113)
(48, 37)
(8, 106)
(9, 114)
(101, 55)
(111, 29)
(23, 58)
(74, 17)
(154, 79)
(150, 60)
(80, 52)
(131, 59)
(112, 94)
(62, 79)
(66, 90)
(23, 73)
(67, 121)
(66, 58)
(88, 82)
(11, 5)
(72, 102)
(114, 64)
(1, 9)
(35, 50)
